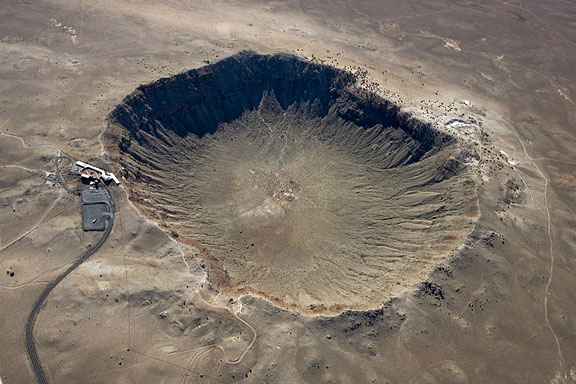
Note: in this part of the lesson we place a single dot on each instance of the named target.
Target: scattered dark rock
(513, 193)
(444, 271)
(430, 289)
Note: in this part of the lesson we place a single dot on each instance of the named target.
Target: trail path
(550, 229)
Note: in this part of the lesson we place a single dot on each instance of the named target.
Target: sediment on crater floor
(293, 183)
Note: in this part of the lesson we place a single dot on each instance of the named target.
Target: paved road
(30, 345)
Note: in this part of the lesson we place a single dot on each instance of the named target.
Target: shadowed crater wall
(293, 183)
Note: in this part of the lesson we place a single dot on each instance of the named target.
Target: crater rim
(432, 142)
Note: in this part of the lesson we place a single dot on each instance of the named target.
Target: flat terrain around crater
(498, 77)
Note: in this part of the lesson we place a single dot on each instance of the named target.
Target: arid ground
(494, 305)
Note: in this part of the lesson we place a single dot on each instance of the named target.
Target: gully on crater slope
(293, 183)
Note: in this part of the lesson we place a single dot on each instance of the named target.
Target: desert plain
(484, 293)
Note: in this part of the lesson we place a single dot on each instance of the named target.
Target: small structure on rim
(90, 172)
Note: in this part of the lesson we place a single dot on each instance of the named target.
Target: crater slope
(293, 183)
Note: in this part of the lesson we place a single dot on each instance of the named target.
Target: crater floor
(293, 184)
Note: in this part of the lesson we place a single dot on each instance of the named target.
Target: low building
(105, 176)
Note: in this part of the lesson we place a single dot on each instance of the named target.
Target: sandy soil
(140, 310)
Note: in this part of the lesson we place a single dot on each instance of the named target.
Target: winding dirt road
(30, 343)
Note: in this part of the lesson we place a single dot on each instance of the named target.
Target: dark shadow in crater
(197, 101)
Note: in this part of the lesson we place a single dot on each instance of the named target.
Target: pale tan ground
(508, 310)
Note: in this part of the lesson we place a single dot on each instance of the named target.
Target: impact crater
(294, 183)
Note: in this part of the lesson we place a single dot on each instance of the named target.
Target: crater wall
(293, 183)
